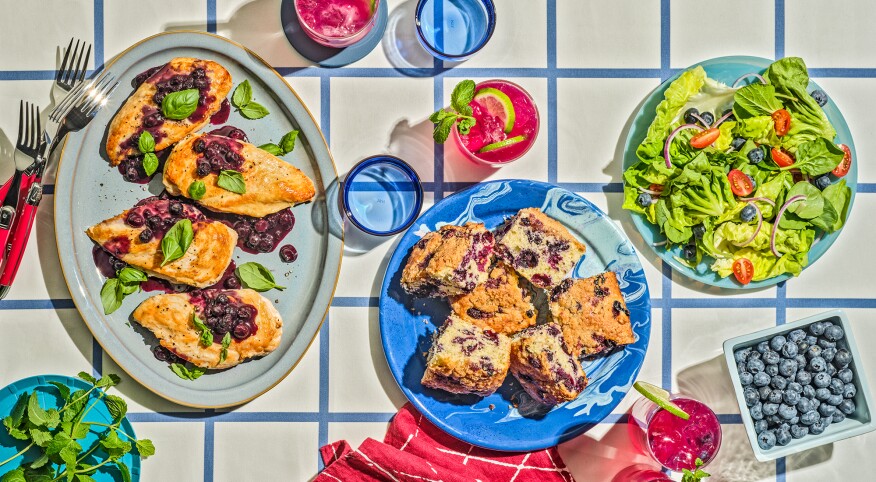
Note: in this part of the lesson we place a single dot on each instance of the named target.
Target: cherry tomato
(743, 270)
(705, 138)
(658, 188)
(781, 122)
(740, 183)
(781, 158)
(843, 167)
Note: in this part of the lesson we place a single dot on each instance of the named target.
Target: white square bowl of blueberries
(799, 385)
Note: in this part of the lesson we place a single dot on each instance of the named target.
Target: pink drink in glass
(488, 129)
(674, 442)
(336, 23)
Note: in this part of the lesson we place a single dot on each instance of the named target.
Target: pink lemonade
(336, 23)
(677, 443)
(490, 130)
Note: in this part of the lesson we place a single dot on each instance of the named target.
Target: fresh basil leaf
(109, 296)
(254, 110)
(116, 406)
(146, 143)
(206, 336)
(462, 95)
(145, 448)
(287, 143)
(185, 373)
(131, 275)
(177, 241)
(813, 203)
(150, 163)
(226, 342)
(231, 181)
(197, 189)
(181, 104)
(272, 149)
(442, 129)
(255, 276)
(242, 95)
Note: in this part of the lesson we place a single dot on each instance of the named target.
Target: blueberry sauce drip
(230, 131)
(224, 313)
(218, 153)
(143, 76)
(158, 215)
(261, 235)
(132, 170)
(106, 264)
(221, 115)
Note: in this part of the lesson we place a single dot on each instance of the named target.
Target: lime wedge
(498, 145)
(660, 397)
(497, 104)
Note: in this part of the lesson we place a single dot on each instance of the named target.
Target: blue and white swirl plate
(407, 322)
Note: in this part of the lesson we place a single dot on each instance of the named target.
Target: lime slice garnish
(661, 398)
(498, 145)
(497, 104)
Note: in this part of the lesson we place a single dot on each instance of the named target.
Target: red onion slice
(762, 199)
(660, 243)
(672, 136)
(756, 231)
(723, 118)
(753, 74)
(699, 118)
(649, 191)
(794, 199)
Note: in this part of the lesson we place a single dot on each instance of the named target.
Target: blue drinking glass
(382, 195)
(455, 30)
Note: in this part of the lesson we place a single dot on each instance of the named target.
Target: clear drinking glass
(337, 23)
(382, 195)
(455, 30)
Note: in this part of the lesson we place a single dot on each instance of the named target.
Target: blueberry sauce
(159, 215)
(118, 246)
(230, 131)
(218, 153)
(132, 170)
(288, 253)
(224, 313)
(107, 264)
(143, 76)
(260, 235)
(221, 116)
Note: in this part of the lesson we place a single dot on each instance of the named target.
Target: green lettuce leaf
(675, 97)
(838, 195)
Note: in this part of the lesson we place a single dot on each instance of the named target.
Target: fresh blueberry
(689, 115)
(783, 437)
(766, 439)
(145, 235)
(828, 354)
(774, 420)
(803, 378)
(818, 427)
(838, 417)
(777, 342)
(813, 351)
(819, 96)
(809, 417)
(789, 350)
(754, 355)
(689, 251)
(802, 347)
(816, 329)
(756, 155)
(771, 370)
(825, 343)
(817, 364)
(834, 400)
(796, 335)
(845, 375)
(831, 370)
(770, 408)
(737, 143)
(816, 403)
(747, 213)
(740, 355)
(746, 379)
(763, 347)
(801, 360)
(834, 333)
(842, 358)
(787, 368)
(826, 410)
(821, 182)
(779, 382)
(761, 379)
(849, 390)
(791, 397)
(836, 386)
(742, 367)
(760, 426)
(796, 387)
(756, 411)
(751, 396)
(847, 407)
(775, 396)
(771, 358)
(822, 393)
(764, 392)
(804, 405)
(708, 117)
(811, 340)
(644, 199)
(755, 366)
(787, 412)
(821, 380)
(799, 431)
(698, 231)
(808, 391)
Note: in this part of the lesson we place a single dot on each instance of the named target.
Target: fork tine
(69, 101)
(80, 53)
(59, 74)
(69, 71)
(99, 93)
(28, 129)
(20, 122)
(104, 98)
(35, 138)
(84, 65)
(39, 134)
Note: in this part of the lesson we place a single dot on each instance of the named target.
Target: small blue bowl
(382, 195)
(440, 31)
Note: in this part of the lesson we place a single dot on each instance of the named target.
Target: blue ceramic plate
(88, 191)
(49, 398)
(727, 70)
(406, 322)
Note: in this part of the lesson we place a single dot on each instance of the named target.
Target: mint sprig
(460, 113)
(694, 476)
(58, 434)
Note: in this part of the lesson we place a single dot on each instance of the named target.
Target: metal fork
(27, 150)
(69, 76)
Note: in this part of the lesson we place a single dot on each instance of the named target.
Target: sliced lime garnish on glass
(498, 145)
(497, 104)
(661, 398)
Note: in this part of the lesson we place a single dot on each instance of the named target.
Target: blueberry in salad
(772, 148)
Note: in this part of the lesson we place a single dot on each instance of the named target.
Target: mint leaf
(206, 337)
(242, 94)
(88, 378)
(59, 442)
(64, 390)
(197, 189)
(255, 276)
(272, 149)
(116, 406)
(465, 125)
(146, 143)
(150, 163)
(40, 461)
(16, 416)
(76, 404)
(79, 431)
(254, 110)
(109, 296)
(179, 105)
(442, 129)
(226, 342)
(436, 117)
(185, 373)
(177, 241)
(125, 471)
(36, 415)
(115, 447)
(40, 436)
(231, 181)
(84, 478)
(462, 95)
(18, 434)
(16, 475)
(287, 143)
(145, 448)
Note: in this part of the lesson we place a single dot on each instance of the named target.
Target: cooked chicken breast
(169, 317)
(271, 184)
(202, 264)
(142, 110)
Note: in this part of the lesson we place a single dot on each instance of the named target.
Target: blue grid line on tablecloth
(440, 187)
